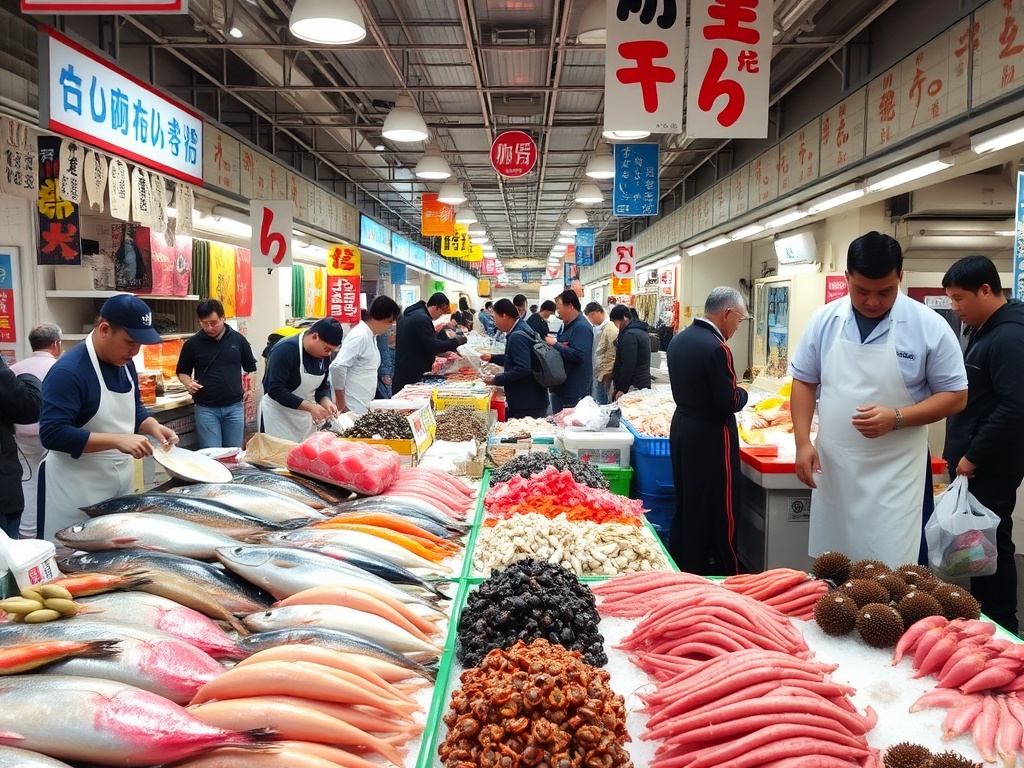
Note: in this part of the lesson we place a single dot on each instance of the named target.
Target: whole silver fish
(274, 481)
(230, 519)
(285, 571)
(12, 757)
(140, 530)
(262, 503)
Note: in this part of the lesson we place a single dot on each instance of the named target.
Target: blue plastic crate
(652, 475)
(649, 446)
(661, 509)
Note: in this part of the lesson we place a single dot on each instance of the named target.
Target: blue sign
(635, 192)
(1018, 241)
(584, 246)
(434, 265)
(400, 247)
(375, 236)
(398, 274)
(572, 275)
(6, 276)
(417, 256)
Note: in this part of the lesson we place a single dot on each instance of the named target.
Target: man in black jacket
(539, 320)
(632, 368)
(20, 403)
(575, 344)
(983, 440)
(416, 342)
(704, 442)
(523, 395)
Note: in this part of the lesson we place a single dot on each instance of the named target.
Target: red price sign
(513, 154)
(623, 260)
(271, 242)
(836, 287)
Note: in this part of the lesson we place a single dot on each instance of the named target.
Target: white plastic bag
(589, 415)
(961, 534)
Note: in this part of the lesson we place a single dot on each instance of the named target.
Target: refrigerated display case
(782, 307)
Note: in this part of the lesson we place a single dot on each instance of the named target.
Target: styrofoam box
(609, 447)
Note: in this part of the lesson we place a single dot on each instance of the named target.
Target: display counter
(773, 521)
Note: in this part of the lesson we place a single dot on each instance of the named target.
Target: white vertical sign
(624, 260)
(645, 58)
(271, 244)
(728, 76)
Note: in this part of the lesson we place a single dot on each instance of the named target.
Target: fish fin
(283, 564)
(11, 736)
(122, 540)
(299, 522)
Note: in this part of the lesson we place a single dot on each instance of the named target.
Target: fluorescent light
(717, 242)
(589, 193)
(1005, 233)
(236, 33)
(379, 147)
(404, 122)
(478, 239)
(485, 246)
(922, 166)
(601, 165)
(786, 217)
(747, 231)
(836, 198)
(432, 166)
(673, 259)
(329, 22)
(451, 193)
(625, 135)
(1000, 137)
(697, 249)
(576, 217)
(223, 225)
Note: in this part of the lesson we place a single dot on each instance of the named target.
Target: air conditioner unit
(977, 195)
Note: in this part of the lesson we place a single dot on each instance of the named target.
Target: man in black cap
(93, 422)
(416, 342)
(296, 385)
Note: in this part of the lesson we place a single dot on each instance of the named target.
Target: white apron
(291, 423)
(870, 490)
(92, 477)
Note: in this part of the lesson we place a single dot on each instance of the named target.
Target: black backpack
(548, 368)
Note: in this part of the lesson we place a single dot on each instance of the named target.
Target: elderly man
(575, 342)
(605, 334)
(704, 442)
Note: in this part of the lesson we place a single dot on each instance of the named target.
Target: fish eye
(77, 528)
(236, 551)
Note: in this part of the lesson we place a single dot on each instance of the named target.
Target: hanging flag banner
(120, 187)
(584, 246)
(91, 7)
(1018, 240)
(475, 255)
(623, 260)
(60, 236)
(399, 274)
(645, 58)
(636, 188)
(456, 245)
(571, 275)
(728, 72)
(437, 218)
(343, 288)
(184, 198)
(621, 287)
(271, 239)
(489, 266)
(8, 333)
(483, 288)
(71, 162)
(20, 159)
(95, 179)
(142, 211)
(243, 282)
(513, 154)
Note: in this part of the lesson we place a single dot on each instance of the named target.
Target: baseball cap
(329, 330)
(132, 314)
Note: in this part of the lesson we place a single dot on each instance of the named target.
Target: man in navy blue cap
(93, 422)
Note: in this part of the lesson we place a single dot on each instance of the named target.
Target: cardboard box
(73, 278)
(423, 426)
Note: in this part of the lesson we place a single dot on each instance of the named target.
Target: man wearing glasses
(211, 366)
(704, 441)
(296, 385)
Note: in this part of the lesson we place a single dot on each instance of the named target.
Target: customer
(354, 369)
(605, 334)
(539, 320)
(520, 302)
(983, 440)
(575, 342)
(296, 386)
(416, 343)
(212, 366)
(45, 342)
(704, 442)
(523, 395)
(386, 370)
(632, 368)
(487, 320)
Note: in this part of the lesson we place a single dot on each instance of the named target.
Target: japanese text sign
(636, 180)
(998, 49)
(489, 266)
(623, 260)
(584, 246)
(343, 283)
(645, 58)
(134, 7)
(836, 287)
(86, 97)
(60, 236)
(400, 247)
(375, 236)
(728, 71)
(667, 281)
(437, 218)
(271, 240)
(842, 133)
(456, 245)
(8, 332)
(513, 154)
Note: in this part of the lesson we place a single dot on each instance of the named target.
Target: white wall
(271, 306)
(724, 265)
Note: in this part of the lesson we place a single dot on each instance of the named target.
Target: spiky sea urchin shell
(918, 577)
(956, 602)
(916, 605)
(864, 591)
(835, 613)
(894, 585)
(907, 755)
(952, 760)
(868, 569)
(879, 625)
(834, 566)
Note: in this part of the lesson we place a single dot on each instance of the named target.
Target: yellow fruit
(55, 591)
(32, 593)
(62, 606)
(20, 605)
(39, 617)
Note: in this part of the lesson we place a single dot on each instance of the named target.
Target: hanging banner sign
(584, 246)
(72, 156)
(105, 7)
(457, 245)
(399, 274)
(635, 192)
(645, 58)
(437, 218)
(84, 96)
(8, 332)
(667, 281)
(271, 239)
(60, 236)
(20, 160)
(728, 70)
(836, 287)
(623, 260)
(95, 176)
(343, 288)
(384, 272)
(621, 287)
(120, 187)
(1018, 240)
(489, 266)
(513, 154)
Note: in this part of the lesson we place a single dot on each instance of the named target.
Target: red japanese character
(970, 37)
(343, 259)
(825, 130)
(713, 86)
(644, 52)
(1009, 35)
(733, 14)
(59, 241)
(666, 20)
(747, 62)
(1009, 74)
(887, 104)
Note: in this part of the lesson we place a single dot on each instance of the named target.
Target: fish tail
(102, 649)
(261, 737)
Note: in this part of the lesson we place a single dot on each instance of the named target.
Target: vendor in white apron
(297, 391)
(93, 422)
(887, 367)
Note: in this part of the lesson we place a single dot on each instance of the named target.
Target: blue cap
(132, 314)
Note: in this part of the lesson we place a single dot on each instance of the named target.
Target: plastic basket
(649, 446)
(653, 474)
(618, 479)
(661, 509)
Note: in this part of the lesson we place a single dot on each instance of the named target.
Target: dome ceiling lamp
(327, 22)
(404, 122)
(577, 217)
(591, 30)
(589, 194)
(451, 193)
(601, 165)
(432, 166)
(625, 135)
(466, 215)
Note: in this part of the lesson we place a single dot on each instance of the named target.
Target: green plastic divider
(661, 544)
(474, 530)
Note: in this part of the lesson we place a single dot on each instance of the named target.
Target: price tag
(624, 260)
(271, 242)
